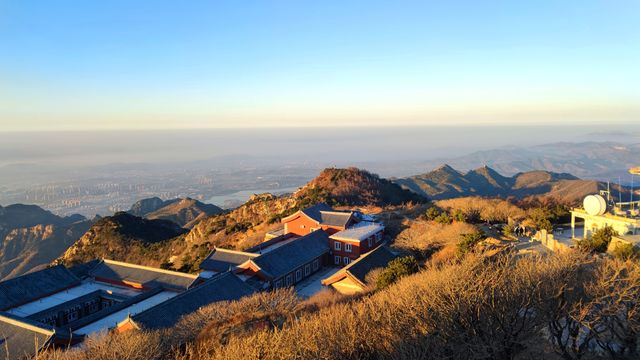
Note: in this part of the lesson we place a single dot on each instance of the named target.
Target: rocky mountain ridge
(445, 182)
(31, 237)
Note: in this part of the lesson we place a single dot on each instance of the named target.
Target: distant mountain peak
(182, 211)
(446, 168)
(354, 187)
(446, 182)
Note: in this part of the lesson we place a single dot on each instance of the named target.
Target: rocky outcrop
(184, 212)
(124, 237)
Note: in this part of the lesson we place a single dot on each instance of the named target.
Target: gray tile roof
(314, 211)
(82, 270)
(285, 259)
(147, 276)
(33, 286)
(377, 258)
(325, 215)
(222, 259)
(335, 218)
(22, 338)
(222, 287)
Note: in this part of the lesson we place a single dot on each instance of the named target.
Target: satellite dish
(595, 205)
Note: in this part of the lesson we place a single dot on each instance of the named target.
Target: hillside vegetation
(555, 307)
(354, 187)
(123, 237)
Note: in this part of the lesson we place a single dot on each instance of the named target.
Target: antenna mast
(619, 189)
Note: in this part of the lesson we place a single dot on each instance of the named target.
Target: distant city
(107, 194)
(60, 173)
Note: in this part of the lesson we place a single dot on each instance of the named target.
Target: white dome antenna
(595, 205)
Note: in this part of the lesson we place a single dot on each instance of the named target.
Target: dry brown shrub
(567, 305)
(423, 238)
(445, 255)
(371, 279)
(492, 210)
(603, 316)
(141, 345)
(279, 302)
(324, 298)
(475, 309)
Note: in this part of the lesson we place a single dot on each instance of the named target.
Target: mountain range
(445, 182)
(31, 237)
(178, 233)
(602, 160)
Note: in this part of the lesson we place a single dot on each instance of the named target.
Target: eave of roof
(216, 264)
(28, 324)
(149, 268)
(298, 214)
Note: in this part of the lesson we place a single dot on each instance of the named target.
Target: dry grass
(509, 307)
(424, 238)
(492, 210)
(129, 346)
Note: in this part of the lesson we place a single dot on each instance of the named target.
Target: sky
(154, 64)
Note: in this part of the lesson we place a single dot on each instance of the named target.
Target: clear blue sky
(188, 64)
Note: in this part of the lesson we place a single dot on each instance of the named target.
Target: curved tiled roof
(147, 276)
(222, 287)
(223, 259)
(335, 218)
(33, 286)
(281, 261)
(325, 215)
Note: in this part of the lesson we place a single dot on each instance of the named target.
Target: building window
(298, 275)
(316, 264)
(346, 260)
(337, 259)
(378, 237)
(370, 241)
(289, 280)
(278, 284)
(337, 245)
(307, 270)
(347, 247)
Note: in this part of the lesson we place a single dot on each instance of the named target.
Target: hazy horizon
(356, 144)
